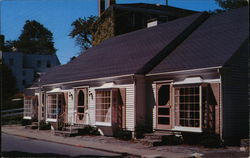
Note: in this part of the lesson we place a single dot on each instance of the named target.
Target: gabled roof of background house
(120, 55)
(211, 45)
(155, 9)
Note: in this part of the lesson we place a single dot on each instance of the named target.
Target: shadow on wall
(151, 102)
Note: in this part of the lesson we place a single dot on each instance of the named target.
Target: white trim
(189, 80)
(187, 129)
(103, 123)
(164, 81)
(51, 120)
(27, 117)
(212, 80)
(101, 78)
(162, 73)
(106, 86)
(200, 110)
(80, 87)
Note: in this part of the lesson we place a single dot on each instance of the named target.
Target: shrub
(123, 134)
(26, 122)
(89, 130)
(44, 125)
(210, 139)
(172, 140)
(191, 138)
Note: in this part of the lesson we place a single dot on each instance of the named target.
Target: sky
(57, 16)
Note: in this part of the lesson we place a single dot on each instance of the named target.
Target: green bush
(191, 138)
(26, 122)
(172, 140)
(210, 139)
(89, 130)
(123, 134)
(11, 120)
(44, 125)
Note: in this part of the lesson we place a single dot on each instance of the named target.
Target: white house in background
(25, 66)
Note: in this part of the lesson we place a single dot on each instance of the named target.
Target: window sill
(103, 123)
(27, 117)
(187, 129)
(51, 120)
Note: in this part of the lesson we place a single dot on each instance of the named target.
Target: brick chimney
(104, 4)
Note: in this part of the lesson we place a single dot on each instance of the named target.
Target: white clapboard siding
(71, 109)
(129, 105)
(154, 109)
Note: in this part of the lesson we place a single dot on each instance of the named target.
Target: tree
(232, 4)
(8, 83)
(35, 38)
(82, 31)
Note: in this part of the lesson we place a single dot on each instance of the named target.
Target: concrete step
(65, 133)
(31, 127)
(150, 142)
(68, 128)
(34, 123)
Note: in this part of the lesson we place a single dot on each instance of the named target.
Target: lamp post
(39, 99)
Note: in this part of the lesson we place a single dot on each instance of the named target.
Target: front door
(164, 106)
(81, 106)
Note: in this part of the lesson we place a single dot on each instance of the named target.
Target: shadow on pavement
(52, 155)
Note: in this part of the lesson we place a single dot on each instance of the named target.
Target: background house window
(11, 61)
(24, 82)
(27, 109)
(187, 104)
(48, 64)
(38, 63)
(103, 106)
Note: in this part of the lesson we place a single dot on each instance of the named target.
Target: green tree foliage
(8, 83)
(232, 4)
(82, 31)
(34, 39)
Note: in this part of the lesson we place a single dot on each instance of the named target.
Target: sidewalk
(111, 144)
(100, 144)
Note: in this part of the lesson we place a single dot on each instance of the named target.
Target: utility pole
(39, 108)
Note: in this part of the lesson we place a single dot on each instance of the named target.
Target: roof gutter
(173, 44)
(95, 79)
(181, 71)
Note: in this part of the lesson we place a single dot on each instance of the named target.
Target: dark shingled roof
(212, 44)
(121, 55)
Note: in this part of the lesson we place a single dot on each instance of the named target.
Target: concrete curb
(75, 145)
(123, 151)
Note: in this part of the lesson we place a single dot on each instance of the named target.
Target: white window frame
(56, 109)
(29, 116)
(184, 128)
(104, 123)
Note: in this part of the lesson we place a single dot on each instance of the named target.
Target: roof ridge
(173, 44)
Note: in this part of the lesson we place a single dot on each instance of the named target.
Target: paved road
(15, 143)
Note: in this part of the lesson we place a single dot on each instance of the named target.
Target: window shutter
(115, 107)
(122, 108)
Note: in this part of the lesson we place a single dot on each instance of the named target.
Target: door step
(68, 131)
(158, 138)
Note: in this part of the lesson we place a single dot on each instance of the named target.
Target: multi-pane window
(38, 63)
(27, 108)
(103, 106)
(54, 104)
(187, 106)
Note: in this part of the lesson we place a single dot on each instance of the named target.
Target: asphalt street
(21, 144)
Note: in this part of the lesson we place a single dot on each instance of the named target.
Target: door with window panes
(164, 104)
(81, 105)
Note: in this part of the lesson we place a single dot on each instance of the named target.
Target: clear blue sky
(57, 16)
